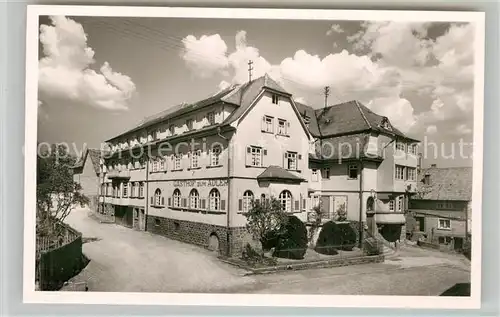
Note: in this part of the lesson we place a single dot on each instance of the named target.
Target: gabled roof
(95, 156)
(344, 147)
(346, 118)
(309, 113)
(274, 172)
(450, 183)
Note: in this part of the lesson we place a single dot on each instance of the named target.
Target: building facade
(440, 212)
(190, 172)
(87, 173)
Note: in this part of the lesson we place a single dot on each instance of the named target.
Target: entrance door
(458, 243)
(421, 223)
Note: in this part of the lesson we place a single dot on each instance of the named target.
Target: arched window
(177, 197)
(247, 200)
(214, 200)
(370, 204)
(157, 197)
(194, 199)
(285, 199)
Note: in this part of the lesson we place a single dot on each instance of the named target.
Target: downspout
(146, 194)
(361, 229)
(228, 217)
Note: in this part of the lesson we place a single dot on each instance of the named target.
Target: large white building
(190, 172)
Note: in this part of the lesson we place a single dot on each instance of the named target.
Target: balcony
(390, 218)
(114, 174)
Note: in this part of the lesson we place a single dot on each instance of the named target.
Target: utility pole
(327, 92)
(250, 68)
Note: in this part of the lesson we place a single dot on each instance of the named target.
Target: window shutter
(222, 205)
(284, 161)
(303, 204)
(299, 156)
(169, 201)
(247, 157)
(184, 201)
(203, 203)
(264, 151)
(240, 204)
(297, 205)
(152, 200)
(263, 124)
(163, 201)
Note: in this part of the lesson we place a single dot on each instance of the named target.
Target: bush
(328, 240)
(270, 240)
(292, 243)
(254, 258)
(372, 246)
(391, 232)
(348, 236)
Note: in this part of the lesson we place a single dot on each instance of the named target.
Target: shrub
(292, 242)
(328, 239)
(372, 246)
(348, 236)
(391, 232)
(254, 258)
(270, 240)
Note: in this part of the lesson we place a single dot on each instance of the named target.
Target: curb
(307, 265)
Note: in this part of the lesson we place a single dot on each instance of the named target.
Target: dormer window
(427, 179)
(385, 124)
(189, 124)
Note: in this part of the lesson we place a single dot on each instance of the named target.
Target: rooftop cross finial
(327, 92)
(250, 68)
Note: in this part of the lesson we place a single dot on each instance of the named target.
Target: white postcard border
(182, 299)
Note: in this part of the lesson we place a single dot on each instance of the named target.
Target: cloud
(335, 28)
(206, 55)
(431, 129)
(65, 70)
(463, 129)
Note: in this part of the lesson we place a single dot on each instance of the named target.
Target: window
(326, 172)
(247, 201)
(154, 165)
(444, 224)
(125, 189)
(427, 179)
(194, 199)
(282, 125)
(444, 240)
(411, 173)
(154, 135)
(177, 162)
(189, 124)
(177, 198)
(195, 159)
(171, 129)
(141, 190)
(400, 172)
(353, 171)
(132, 190)
(391, 205)
(267, 124)
(157, 199)
(285, 199)
(275, 99)
(314, 175)
(445, 205)
(214, 200)
(254, 156)
(412, 148)
(215, 156)
(162, 164)
(211, 118)
(291, 161)
(400, 146)
(400, 203)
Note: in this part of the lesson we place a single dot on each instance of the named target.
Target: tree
(266, 220)
(57, 193)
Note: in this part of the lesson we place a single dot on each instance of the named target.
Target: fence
(58, 260)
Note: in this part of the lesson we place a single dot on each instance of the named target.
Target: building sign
(201, 183)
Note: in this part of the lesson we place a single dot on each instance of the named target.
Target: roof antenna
(327, 92)
(250, 68)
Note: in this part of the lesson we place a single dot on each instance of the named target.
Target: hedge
(334, 236)
(292, 243)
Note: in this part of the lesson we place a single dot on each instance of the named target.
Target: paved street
(126, 260)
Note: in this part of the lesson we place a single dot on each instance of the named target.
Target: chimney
(419, 162)
(433, 165)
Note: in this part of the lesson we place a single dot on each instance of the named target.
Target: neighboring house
(362, 164)
(209, 159)
(441, 209)
(86, 172)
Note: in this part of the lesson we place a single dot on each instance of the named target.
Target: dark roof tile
(451, 183)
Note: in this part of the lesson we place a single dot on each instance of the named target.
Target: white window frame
(440, 227)
(125, 189)
(291, 160)
(400, 146)
(326, 173)
(411, 173)
(282, 124)
(195, 159)
(268, 124)
(314, 175)
(194, 199)
(392, 205)
(286, 200)
(400, 203)
(255, 156)
(189, 124)
(215, 156)
(171, 129)
(141, 190)
(177, 162)
(214, 199)
(275, 99)
(396, 174)
(176, 198)
(157, 195)
(247, 201)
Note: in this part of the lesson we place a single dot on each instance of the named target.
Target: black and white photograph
(253, 157)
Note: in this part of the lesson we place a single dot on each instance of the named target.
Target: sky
(100, 76)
